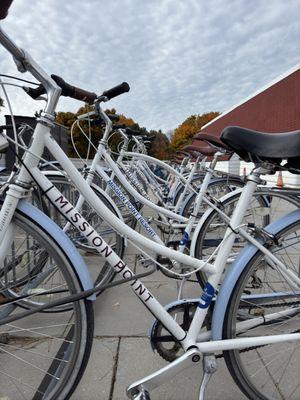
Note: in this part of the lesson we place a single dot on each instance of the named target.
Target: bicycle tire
(266, 372)
(44, 358)
(213, 229)
(217, 188)
(196, 182)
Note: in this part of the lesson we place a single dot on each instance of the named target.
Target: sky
(180, 57)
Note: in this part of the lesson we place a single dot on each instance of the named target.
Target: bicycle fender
(62, 239)
(185, 201)
(236, 269)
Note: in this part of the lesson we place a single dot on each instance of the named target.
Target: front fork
(14, 194)
(7, 232)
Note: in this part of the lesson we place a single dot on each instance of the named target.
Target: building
(274, 108)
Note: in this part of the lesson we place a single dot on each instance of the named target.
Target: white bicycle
(249, 320)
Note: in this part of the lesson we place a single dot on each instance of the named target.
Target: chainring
(165, 344)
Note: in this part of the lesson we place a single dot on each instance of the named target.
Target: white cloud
(180, 57)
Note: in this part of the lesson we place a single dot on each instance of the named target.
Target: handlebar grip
(4, 7)
(35, 92)
(83, 95)
(116, 91)
(73, 91)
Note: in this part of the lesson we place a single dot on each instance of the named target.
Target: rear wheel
(266, 205)
(268, 305)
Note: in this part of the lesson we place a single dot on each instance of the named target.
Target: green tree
(184, 133)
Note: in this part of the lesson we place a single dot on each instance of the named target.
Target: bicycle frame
(70, 213)
(102, 155)
(186, 223)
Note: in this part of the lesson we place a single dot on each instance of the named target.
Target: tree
(184, 133)
(159, 147)
(80, 141)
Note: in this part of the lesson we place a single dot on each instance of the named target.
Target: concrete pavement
(122, 353)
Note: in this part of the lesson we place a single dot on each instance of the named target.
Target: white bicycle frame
(42, 137)
(189, 340)
(186, 223)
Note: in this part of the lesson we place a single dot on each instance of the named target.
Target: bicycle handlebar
(66, 90)
(35, 92)
(75, 92)
(4, 6)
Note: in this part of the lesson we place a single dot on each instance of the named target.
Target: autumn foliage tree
(184, 133)
(159, 145)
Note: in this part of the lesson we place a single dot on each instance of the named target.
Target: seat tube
(222, 256)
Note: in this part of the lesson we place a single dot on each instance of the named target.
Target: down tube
(95, 240)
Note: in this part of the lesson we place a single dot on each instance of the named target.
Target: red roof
(275, 108)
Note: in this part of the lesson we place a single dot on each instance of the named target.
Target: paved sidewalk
(122, 353)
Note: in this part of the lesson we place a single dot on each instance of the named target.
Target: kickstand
(209, 367)
(142, 394)
(205, 380)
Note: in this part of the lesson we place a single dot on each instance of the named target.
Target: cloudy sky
(180, 57)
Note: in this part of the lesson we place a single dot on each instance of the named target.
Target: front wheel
(42, 356)
(264, 303)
